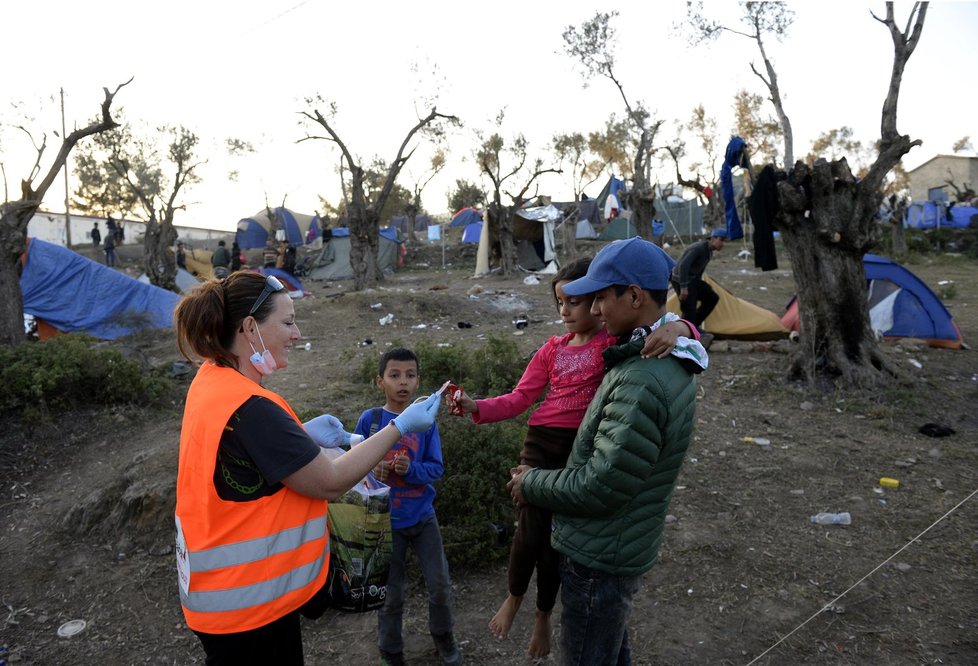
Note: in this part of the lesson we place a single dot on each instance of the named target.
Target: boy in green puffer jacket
(609, 503)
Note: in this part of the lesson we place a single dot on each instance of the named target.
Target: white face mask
(264, 362)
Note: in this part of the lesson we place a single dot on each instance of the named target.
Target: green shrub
(474, 509)
(69, 371)
(493, 368)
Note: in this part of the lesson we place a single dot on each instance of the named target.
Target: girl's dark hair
(207, 319)
(572, 271)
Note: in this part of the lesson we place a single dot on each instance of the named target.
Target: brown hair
(207, 320)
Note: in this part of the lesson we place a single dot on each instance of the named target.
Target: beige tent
(736, 319)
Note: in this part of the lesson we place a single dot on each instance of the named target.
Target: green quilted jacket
(610, 501)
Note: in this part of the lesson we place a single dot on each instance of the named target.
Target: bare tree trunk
(569, 235)
(364, 224)
(507, 245)
(14, 217)
(899, 236)
(643, 210)
(159, 262)
(827, 228)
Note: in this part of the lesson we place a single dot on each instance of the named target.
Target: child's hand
(466, 403)
(662, 340)
(382, 470)
(401, 464)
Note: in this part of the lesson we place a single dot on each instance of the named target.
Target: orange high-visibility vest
(240, 565)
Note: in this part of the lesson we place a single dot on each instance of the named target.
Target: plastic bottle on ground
(832, 518)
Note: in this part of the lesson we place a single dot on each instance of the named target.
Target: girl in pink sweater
(572, 366)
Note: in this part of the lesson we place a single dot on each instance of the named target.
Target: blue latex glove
(419, 416)
(327, 431)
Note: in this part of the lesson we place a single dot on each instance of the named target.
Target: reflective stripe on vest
(216, 601)
(251, 551)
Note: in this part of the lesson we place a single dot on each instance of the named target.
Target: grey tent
(333, 262)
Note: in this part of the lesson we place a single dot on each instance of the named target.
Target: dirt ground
(743, 575)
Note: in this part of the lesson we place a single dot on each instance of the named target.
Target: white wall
(51, 227)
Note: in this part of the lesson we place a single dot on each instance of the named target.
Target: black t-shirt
(261, 445)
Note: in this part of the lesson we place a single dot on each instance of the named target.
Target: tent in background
(186, 282)
(68, 292)
(471, 219)
(620, 228)
(610, 197)
(291, 282)
(400, 222)
(472, 232)
(734, 318)
(900, 306)
(199, 263)
(333, 262)
(587, 220)
(533, 231)
(253, 232)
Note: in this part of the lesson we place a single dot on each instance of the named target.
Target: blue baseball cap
(719, 233)
(625, 262)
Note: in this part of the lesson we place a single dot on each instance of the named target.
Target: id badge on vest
(183, 560)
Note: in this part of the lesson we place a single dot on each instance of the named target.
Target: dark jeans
(425, 540)
(546, 448)
(594, 619)
(279, 642)
(699, 303)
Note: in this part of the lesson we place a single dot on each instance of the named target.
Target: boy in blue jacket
(409, 468)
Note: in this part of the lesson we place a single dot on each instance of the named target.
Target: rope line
(851, 587)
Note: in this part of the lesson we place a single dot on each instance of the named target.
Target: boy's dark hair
(659, 296)
(397, 354)
(572, 271)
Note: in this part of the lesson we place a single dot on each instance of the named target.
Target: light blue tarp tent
(254, 231)
(930, 214)
(73, 293)
(901, 305)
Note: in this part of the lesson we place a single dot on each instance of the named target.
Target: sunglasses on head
(272, 285)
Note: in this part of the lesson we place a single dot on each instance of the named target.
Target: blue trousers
(425, 540)
(594, 617)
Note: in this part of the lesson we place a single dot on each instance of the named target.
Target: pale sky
(242, 69)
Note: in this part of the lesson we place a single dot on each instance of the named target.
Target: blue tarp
(930, 214)
(74, 293)
(472, 232)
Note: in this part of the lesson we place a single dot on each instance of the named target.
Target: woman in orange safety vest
(252, 542)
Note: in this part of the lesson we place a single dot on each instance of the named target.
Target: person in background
(697, 299)
(269, 254)
(570, 368)
(609, 502)
(235, 256)
(109, 246)
(96, 236)
(288, 262)
(181, 255)
(410, 468)
(252, 480)
(221, 257)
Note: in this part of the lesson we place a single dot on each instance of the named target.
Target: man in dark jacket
(696, 298)
(221, 257)
(609, 503)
